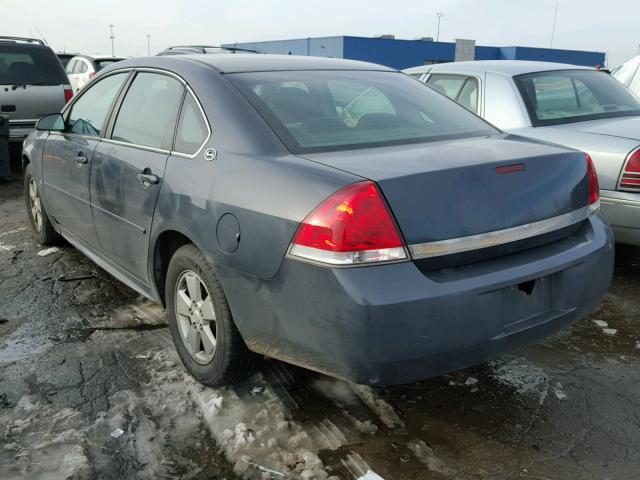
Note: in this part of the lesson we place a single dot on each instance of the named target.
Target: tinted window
(354, 109)
(82, 67)
(29, 64)
(148, 112)
(192, 129)
(574, 95)
(100, 64)
(87, 116)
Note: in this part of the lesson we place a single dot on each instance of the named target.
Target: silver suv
(32, 84)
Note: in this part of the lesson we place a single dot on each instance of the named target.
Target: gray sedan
(574, 106)
(333, 214)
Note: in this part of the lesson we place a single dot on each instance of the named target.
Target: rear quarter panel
(608, 152)
(253, 177)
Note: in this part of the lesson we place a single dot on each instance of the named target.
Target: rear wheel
(200, 321)
(38, 218)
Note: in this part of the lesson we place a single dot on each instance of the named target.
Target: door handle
(147, 179)
(81, 159)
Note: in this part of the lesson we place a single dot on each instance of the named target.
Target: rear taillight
(353, 226)
(630, 178)
(594, 187)
(68, 93)
(91, 75)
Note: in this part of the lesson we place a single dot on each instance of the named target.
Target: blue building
(400, 54)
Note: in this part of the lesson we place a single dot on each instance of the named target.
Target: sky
(83, 26)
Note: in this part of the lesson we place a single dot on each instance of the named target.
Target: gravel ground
(90, 387)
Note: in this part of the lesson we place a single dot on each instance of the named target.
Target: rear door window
(70, 66)
(449, 85)
(29, 64)
(148, 113)
(88, 113)
(461, 88)
(192, 128)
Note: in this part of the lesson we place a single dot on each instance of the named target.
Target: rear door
(31, 82)
(67, 158)
(128, 168)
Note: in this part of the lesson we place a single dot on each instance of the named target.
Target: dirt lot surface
(90, 387)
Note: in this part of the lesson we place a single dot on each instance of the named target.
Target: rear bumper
(392, 324)
(622, 210)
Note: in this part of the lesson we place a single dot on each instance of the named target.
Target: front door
(68, 155)
(128, 169)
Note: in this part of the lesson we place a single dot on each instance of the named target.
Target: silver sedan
(578, 107)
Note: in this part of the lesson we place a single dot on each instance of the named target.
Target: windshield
(29, 64)
(567, 96)
(315, 111)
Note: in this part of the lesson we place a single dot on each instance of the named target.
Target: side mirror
(54, 122)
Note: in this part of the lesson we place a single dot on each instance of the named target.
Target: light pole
(439, 15)
(112, 37)
(553, 30)
(148, 44)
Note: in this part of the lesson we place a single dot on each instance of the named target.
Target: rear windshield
(100, 64)
(315, 111)
(29, 64)
(566, 96)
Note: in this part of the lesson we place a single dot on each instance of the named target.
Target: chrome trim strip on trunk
(497, 237)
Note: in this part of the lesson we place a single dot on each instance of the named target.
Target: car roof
(101, 57)
(504, 67)
(250, 62)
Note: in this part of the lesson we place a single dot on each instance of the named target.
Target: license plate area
(526, 304)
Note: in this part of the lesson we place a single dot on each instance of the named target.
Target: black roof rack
(21, 39)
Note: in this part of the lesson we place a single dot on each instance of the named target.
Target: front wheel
(38, 218)
(203, 331)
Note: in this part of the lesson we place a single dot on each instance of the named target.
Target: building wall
(317, 47)
(397, 53)
(574, 57)
(401, 54)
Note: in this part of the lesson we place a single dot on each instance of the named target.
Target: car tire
(230, 360)
(38, 219)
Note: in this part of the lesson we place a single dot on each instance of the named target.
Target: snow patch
(41, 442)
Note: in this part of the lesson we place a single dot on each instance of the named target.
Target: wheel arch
(165, 246)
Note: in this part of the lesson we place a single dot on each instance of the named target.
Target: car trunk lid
(446, 190)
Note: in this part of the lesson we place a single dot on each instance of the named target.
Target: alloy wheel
(196, 317)
(36, 205)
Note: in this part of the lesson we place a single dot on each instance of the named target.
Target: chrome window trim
(144, 147)
(624, 167)
(134, 145)
(498, 237)
(206, 122)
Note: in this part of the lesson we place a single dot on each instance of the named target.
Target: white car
(629, 74)
(578, 107)
(83, 68)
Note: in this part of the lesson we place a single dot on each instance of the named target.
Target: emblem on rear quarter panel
(210, 154)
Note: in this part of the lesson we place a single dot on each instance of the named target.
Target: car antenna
(41, 36)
